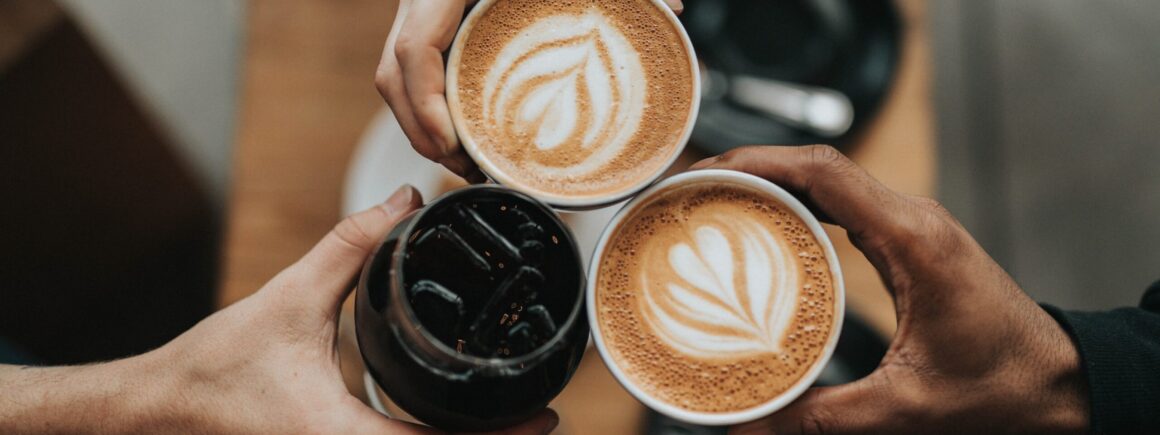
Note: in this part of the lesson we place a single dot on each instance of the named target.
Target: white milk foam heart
(713, 295)
(717, 304)
(566, 83)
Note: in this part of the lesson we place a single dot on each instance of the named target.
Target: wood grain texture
(308, 95)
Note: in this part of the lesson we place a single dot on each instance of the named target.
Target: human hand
(266, 364)
(410, 77)
(270, 363)
(972, 354)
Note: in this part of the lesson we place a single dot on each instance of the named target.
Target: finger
(676, 5)
(542, 423)
(829, 182)
(392, 89)
(462, 165)
(476, 176)
(426, 34)
(323, 277)
(389, 81)
(865, 406)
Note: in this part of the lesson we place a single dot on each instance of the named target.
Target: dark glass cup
(470, 316)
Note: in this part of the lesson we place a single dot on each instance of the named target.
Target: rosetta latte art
(728, 292)
(569, 87)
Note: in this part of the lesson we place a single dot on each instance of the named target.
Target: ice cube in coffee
(470, 316)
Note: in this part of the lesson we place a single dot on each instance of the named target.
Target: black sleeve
(1120, 350)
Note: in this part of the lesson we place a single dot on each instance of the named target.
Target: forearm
(110, 397)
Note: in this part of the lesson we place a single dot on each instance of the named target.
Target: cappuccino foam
(575, 98)
(714, 298)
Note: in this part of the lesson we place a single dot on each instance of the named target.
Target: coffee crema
(575, 98)
(714, 298)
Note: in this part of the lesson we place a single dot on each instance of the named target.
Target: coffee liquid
(490, 277)
(487, 279)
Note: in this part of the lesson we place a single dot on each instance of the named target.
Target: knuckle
(737, 155)
(404, 46)
(815, 423)
(352, 234)
(383, 77)
(930, 235)
(826, 156)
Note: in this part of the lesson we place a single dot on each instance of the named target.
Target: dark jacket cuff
(1120, 350)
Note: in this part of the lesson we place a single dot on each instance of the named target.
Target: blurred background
(145, 148)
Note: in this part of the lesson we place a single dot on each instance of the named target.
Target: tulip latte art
(575, 98)
(714, 298)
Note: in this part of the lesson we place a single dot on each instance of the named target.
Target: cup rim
(751, 413)
(558, 201)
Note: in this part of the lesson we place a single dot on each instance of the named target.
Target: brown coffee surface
(575, 98)
(679, 297)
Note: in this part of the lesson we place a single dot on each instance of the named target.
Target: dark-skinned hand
(972, 353)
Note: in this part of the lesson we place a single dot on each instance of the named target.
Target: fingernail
(400, 200)
(677, 5)
(705, 163)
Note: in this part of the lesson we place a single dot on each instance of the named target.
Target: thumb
(323, 276)
(864, 406)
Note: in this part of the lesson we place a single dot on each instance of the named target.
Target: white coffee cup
(562, 201)
(755, 412)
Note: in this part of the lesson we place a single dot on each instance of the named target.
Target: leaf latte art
(714, 297)
(729, 291)
(566, 86)
(577, 101)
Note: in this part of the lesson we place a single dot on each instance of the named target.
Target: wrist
(1064, 381)
(95, 398)
(138, 394)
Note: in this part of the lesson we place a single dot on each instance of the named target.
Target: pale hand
(266, 364)
(410, 77)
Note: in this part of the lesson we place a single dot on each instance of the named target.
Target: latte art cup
(601, 116)
(710, 178)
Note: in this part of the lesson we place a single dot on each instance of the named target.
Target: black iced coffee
(470, 316)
